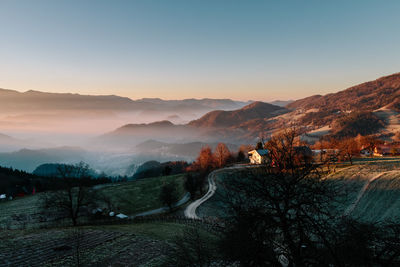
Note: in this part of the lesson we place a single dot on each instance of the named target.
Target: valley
(199, 133)
(145, 189)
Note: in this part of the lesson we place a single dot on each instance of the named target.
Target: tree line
(206, 162)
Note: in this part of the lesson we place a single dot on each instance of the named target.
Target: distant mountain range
(374, 103)
(9, 143)
(212, 127)
(11, 100)
(35, 111)
(29, 159)
(281, 103)
(220, 118)
(368, 108)
(177, 150)
(6, 138)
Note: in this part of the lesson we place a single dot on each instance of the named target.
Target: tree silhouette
(285, 209)
(71, 200)
(169, 194)
(348, 149)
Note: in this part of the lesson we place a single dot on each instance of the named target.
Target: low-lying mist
(112, 134)
(29, 140)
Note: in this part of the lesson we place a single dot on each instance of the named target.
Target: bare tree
(348, 149)
(286, 208)
(191, 184)
(169, 194)
(74, 196)
(366, 243)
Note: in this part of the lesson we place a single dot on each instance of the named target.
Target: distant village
(260, 156)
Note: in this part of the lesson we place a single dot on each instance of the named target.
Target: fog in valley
(114, 135)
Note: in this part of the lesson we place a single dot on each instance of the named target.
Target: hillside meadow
(128, 198)
(370, 190)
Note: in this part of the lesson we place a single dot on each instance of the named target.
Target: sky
(258, 50)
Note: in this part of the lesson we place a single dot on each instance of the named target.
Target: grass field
(141, 195)
(139, 244)
(133, 244)
(15, 213)
(128, 198)
(380, 200)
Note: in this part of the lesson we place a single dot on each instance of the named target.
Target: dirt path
(190, 211)
(350, 209)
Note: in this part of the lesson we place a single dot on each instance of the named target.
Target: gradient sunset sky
(259, 50)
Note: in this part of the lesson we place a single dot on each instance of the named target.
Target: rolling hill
(367, 108)
(256, 110)
(215, 126)
(5, 138)
(128, 136)
(28, 159)
(175, 150)
(383, 92)
(9, 143)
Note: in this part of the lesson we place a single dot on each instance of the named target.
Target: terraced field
(137, 244)
(59, 248)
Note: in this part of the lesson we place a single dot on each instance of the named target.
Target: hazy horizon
(176, 50)
(263, 50)
(272, 99)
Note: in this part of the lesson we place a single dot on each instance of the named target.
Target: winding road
(190, 211)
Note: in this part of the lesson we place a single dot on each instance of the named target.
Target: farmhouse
(384, 150)
(258, 156)
(365, 152)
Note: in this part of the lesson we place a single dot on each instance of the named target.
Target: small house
(365, 152)
(258, 156)
(385, 150)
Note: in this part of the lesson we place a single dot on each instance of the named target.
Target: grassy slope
(18, 208)
(381, 200)
(128, 198)
(141, 195)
